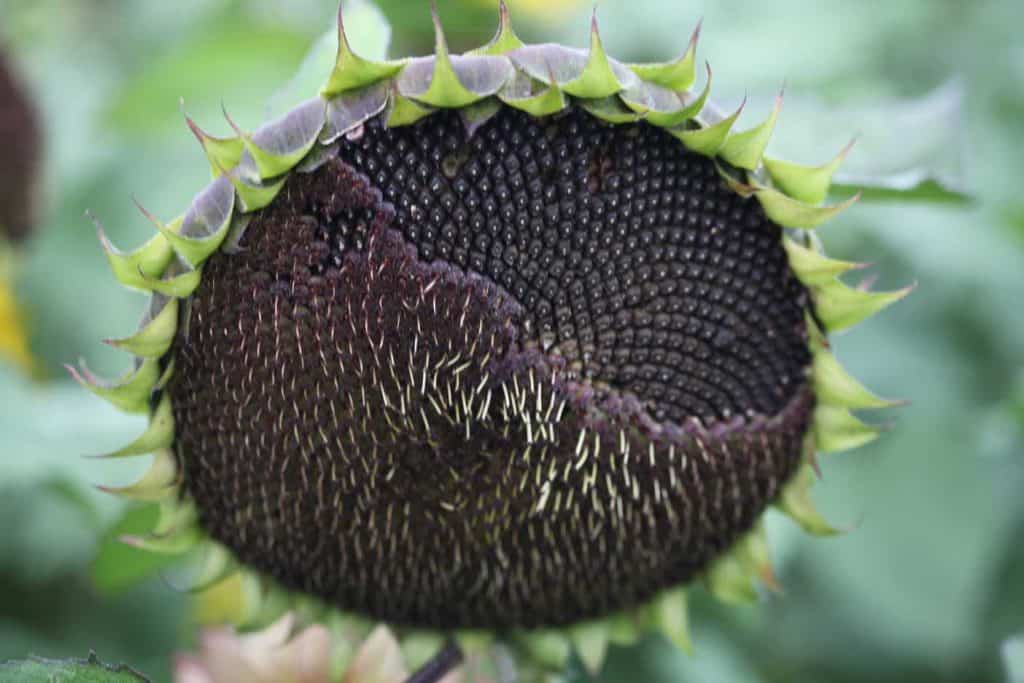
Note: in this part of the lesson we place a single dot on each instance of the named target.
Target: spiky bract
(516, 338)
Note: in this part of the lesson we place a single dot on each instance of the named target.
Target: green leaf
(1013, 658)
(119, 566)
(908, 149)
(207, 68)
(91, 670)
(914, 185)
(50, 527)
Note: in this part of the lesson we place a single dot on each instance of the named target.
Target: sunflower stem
(445, 661)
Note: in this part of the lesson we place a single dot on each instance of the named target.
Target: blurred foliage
(39, 670)
(13, 344)
(929, 581)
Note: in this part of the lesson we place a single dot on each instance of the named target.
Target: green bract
(250, 170)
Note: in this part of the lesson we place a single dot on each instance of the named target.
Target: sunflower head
(517, 342)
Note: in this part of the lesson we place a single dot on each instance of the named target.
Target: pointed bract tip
(695, 36)
(868, 281)
(200, 134)
(73, 371)
(95, 221)
(551, 75)
(132, 540)
(231, 122)
(150, 493)
(83, 375)
(344, 48)
(909, 288)
(815, 462)
(341, 23)
(101, 234)
(149, 216)
(767, 575)
(440, 42)
(435, 16)
(707, 70)
(846, 149)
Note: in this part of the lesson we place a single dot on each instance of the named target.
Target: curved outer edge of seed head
(249, 170)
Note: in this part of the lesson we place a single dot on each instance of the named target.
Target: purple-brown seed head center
(518, 378)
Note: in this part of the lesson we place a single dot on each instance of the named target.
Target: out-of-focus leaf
(64, 616)
(540, 10)
(44, 534)
(1017, 405)
(13, 338)
(46, 427)
(1013, 216)
(234, 61)
(906, 149)
(118, 565)
(716, 658)
(369, 34)
(915, 185)
(91, 670)
(1013, 658)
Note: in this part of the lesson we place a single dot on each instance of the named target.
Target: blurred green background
(928, 581)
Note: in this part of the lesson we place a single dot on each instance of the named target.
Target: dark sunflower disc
(518, 378)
